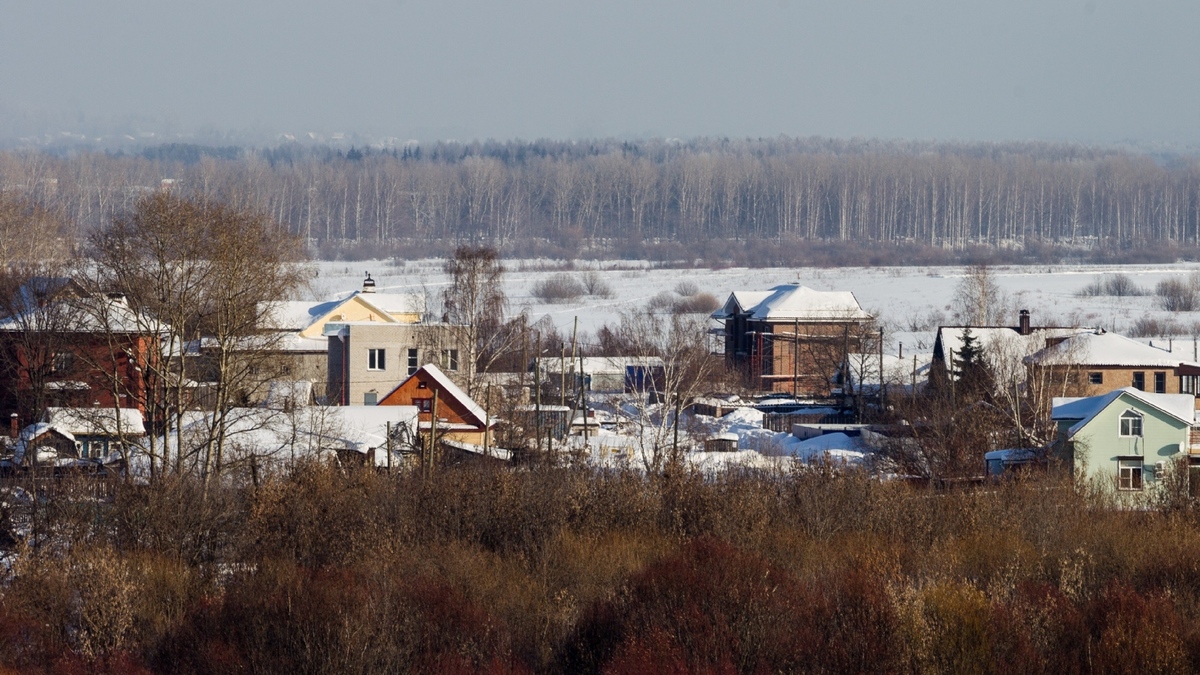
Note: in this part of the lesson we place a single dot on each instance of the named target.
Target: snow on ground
(905, 298)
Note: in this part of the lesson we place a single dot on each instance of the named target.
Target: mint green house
(1126, 437)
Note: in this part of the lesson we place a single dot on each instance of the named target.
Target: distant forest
(758, 202)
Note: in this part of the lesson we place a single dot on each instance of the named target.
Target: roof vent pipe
(368, 284)
(1024, 327)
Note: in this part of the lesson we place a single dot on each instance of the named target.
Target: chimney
(1024, 328)
(14, 429)
(368, 284)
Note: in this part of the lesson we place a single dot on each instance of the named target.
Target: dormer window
(1131, 423)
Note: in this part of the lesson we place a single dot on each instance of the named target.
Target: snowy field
(906, 299)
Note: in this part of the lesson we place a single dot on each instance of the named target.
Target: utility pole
(487, 432)
(796, 358)
(537, 387)
(433, 422)
(389, 448)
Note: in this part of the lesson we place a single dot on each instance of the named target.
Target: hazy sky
(1086, 70)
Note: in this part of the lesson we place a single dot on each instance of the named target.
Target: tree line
(623, 199)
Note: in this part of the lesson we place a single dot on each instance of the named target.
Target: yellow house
(302, 349)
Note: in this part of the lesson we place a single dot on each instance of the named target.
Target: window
(412, 361)
(1139, 381)
(1187, 384)
(1131, 423)
(370, 398)
(1095, 378)
(450, 359)
(423, 404)
(1129, 473)
(1160, 383)
(376, 359)
(64, 362)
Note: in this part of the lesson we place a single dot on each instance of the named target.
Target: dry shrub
(1179, 294)
(285, 618)
(715, 608)
(561, 287)
(317, 516)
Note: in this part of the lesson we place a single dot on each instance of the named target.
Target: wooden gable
(418, 391)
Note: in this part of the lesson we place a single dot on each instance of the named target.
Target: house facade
(1127, 438)
(792, 338)
(367, 359)
(298, 346)
(1094, 362)
(76, 350)
(459, 418)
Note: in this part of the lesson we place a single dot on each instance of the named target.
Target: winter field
(906, 299)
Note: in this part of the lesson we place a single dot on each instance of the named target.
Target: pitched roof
(445, 384)
(97, 421)
(997, 343)
(297, 315)
(794, 302)
(1107, 349)
(1179, 406)
(96, 313)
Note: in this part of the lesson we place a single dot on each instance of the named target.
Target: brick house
(792, 338)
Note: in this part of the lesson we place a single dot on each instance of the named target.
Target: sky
(1093, 71)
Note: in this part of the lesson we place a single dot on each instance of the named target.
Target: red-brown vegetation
(482, 570)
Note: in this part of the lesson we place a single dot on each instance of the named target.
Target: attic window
(422, 385)
(1131, 423)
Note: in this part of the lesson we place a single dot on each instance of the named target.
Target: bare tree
(671, 351)
(978, 299)
(475, 303)
(205, 273)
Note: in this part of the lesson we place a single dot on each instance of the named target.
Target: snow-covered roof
(739, 302)
(795, 302)
(896, 370)
(1003, 349)
(296, 315)
(31, 433)
(1107, 349)
(595, 365)
(97, 421)
(96, 313)
(1084, 410)
(302, 431)
(447, 385)
(288, 393)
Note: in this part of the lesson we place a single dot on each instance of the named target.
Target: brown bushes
(562, 569)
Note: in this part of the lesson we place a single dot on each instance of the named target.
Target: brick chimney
(14, 429)
(1024, 327)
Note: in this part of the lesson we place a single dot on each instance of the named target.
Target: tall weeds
(571, 569)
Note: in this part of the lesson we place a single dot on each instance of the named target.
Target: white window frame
(1130, 474)
(1132, 417)
(414, 363)
(376, 359)
(450, 360)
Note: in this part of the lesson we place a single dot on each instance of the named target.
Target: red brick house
(792, 338)
(61, 347)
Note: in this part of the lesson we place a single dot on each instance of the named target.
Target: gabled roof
(1107, 349)
(997, 343)
(95, 313)
(794, 302)
(446, 387)
(739, 302)
(97, 421)
(1084, 410)
(297, 315)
